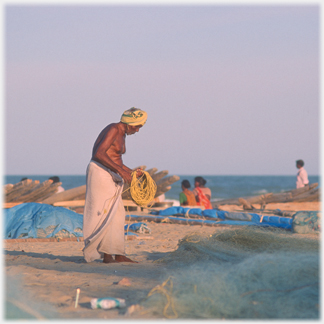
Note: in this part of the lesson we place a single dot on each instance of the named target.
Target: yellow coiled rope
(142, 189)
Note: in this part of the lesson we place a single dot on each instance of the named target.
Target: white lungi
(104, 213)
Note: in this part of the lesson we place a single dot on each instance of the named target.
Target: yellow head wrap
(134, 117)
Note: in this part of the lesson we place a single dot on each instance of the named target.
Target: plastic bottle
(107, 303)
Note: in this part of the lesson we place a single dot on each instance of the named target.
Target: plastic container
(107, 303)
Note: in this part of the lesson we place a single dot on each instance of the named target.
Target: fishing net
(242, 273)
(19, 304)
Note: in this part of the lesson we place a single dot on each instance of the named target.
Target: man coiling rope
(103, 227)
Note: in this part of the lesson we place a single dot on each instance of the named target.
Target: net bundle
(142, 189)
(245, 273)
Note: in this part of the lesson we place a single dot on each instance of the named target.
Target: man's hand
(139, 173)
(127, 176)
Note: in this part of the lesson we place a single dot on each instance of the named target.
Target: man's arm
(139, 172)
(102, 157)
(127, 168)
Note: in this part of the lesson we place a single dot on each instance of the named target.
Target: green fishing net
(242, 273)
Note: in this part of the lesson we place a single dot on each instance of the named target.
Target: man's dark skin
(108, 150)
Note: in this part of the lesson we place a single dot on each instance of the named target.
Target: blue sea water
(222, 187)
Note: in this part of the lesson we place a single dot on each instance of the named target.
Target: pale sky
(229, 89)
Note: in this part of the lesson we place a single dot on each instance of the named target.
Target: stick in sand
(77, 297)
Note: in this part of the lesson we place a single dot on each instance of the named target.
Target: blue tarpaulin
(227, 218)
(210, 213)
(32, 220)
(286, 224)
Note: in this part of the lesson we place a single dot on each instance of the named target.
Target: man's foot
(123, 258)
(108, 258)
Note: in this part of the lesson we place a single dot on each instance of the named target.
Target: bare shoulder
(106, 139)
(111, 130)
(112, 127)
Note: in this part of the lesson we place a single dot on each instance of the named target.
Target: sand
(41, 278)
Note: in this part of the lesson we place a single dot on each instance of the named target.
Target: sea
(221, 186)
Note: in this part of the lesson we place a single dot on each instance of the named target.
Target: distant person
(202, 193)
(55, 180)
(302, 177)
(187, 197)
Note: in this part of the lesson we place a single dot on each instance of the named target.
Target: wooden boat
(308, 193)
(45, 192)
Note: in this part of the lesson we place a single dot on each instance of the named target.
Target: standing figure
(302, 177)
(202, 193)
(104, 212)
(187, 197)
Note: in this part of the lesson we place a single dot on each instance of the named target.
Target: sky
(229, 89)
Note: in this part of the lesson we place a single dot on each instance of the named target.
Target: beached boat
(308, 193)
(45, 192)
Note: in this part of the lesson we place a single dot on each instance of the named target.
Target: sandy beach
(42, 277)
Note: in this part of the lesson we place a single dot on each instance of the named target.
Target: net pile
(245, 273)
